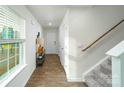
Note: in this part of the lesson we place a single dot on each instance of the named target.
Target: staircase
(100, 76)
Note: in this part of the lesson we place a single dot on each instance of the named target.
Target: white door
(51, 42)
(63, 47)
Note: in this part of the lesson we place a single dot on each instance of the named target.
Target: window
(12, 29)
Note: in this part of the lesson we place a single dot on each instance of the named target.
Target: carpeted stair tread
(107, 65)
(91, 82)
(104, 79)
(101, 76)
(99, 79)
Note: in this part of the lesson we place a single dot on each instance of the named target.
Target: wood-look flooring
(51, 74)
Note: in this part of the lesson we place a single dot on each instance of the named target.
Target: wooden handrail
(110, 30)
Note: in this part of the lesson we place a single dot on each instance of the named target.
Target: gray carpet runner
(101, 76)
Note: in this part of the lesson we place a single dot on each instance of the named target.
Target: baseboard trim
(34, 67)
(74, 80)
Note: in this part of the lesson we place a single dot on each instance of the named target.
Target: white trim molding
(74, 80)
(11, 41)
(12, 76)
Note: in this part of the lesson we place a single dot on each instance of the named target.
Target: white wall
(31, 32)
(86, 25)
(64, 43)
(50, 37)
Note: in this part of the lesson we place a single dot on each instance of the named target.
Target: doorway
(51, 41)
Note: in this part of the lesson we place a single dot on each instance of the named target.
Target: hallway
(51, 74)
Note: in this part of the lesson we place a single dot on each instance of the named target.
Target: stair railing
(102, 36)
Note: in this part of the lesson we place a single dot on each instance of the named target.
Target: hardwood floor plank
(51, 74)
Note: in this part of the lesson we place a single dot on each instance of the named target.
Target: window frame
(16, 69)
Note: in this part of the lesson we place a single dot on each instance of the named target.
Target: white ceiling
(50, 13)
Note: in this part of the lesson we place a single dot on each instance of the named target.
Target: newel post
(117, 57)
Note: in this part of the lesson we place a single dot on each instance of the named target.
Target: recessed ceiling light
(50, 24)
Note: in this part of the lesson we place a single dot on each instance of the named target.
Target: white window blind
(10, 19)
(12, 42)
